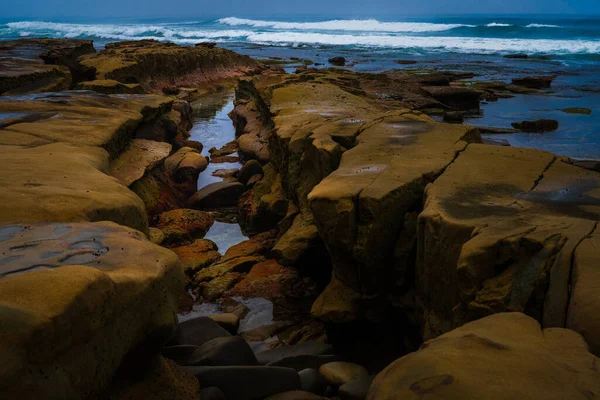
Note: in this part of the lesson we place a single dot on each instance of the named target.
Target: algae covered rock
(155, 65)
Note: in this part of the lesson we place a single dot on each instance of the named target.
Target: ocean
(570, 46)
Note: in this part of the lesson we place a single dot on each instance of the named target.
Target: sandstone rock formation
(76, 298)
(40, 65)
(155, 65)
(57, 149)
(406, 206)
(503, 356)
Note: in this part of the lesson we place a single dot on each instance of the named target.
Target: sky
(91, 9)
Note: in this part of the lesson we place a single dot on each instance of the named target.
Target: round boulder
(339, 373)
(215, 195)
(248, 170)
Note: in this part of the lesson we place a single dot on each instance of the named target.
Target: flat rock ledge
(57, 149)
(74, 300)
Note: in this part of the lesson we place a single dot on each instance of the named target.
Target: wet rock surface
(355, 228)
(40, 65)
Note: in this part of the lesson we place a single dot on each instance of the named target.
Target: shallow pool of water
(225, 235)
(212, 125)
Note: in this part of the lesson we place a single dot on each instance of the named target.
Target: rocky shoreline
(388, 254)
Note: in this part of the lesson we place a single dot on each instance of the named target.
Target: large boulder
(582, 315)
(186, 164)
(184, 225)
(456, 97)
(537, 126)
(504, 356)
(534, 82)
(53, 274)
(201, 253)
(491, 240)
(215, 195)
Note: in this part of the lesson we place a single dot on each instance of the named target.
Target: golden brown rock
(163, 379)
(184, 225)
(503, 356)
(155, 65)
(493, 240)
(40, 65)
(199, 254)
(76, 298)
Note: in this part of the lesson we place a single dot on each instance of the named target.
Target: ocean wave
(367, 25)
(122, 32)
(542, 26)
(453, 44)
(496, 25)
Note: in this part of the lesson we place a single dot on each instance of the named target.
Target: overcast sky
(265, 8)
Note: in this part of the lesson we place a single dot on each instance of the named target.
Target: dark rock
(198, 331)
(247, 383)
(454, 117)
(592, 165)
(209, 45)
(218, 194)
(339, 61)
(180, 354)
(534, 82)
(496, 142)
(306, 348)
(253, 181)
(538, 126)
(302, 362)
(224, 159)
(226, 173)
(434, 79)
(212, 393)
(156, 379)
(295, 395)
(356, 390)
(493, 130)
(405, 62)
(518, 56)
(458, 98)
(248, 170)
(312, 381)
(229, 321)
(170, 90)
(223, 351)
(577, 110)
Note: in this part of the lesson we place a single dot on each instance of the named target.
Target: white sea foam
(542, 26)
(496, 24)
(367, 25)
(454, 44)
(409, 41)
(124, 32)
